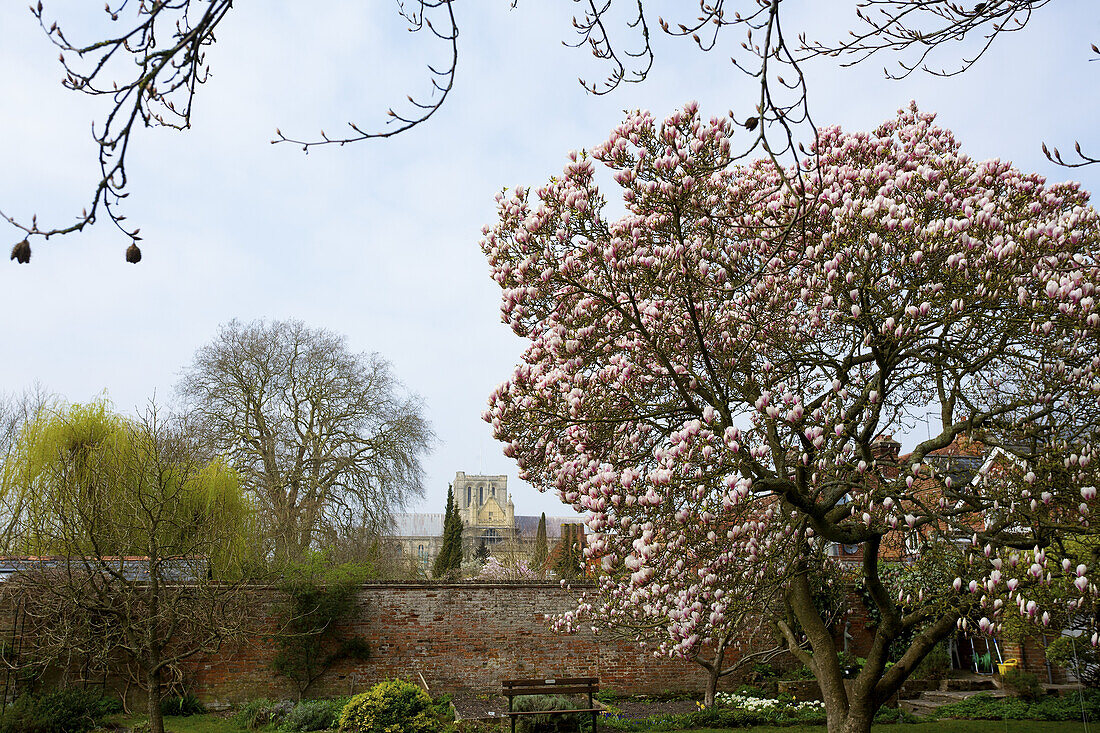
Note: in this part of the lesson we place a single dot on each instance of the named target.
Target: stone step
(968, 684)
(928, 701)
(943, 697)
(916, 707)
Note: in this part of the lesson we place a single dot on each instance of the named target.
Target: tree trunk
(712, 687)
(858, 720)
(156, 720)
(823, 660)
(714, 670)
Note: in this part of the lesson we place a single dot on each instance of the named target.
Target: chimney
(885, 449)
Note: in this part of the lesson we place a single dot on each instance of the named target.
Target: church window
(493, 490)
(420, 551)
(469, 495)
(481, 495)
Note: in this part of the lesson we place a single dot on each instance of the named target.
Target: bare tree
(130, 547)
(164, 42)
(324, 439)
(17, 410)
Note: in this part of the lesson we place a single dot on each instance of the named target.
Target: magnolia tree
(716, 616)
(707, 374)
(494, 569)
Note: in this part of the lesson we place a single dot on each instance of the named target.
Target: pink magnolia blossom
(740, 339)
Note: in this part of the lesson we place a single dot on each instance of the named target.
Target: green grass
(218, 724)
(188, 724)
(938, 726)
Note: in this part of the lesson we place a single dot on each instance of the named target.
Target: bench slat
(541, 690)
(551, 681)
(553, 712)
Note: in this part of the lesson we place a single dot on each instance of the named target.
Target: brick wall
(458, 637)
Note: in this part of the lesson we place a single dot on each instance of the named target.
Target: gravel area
(470, 706)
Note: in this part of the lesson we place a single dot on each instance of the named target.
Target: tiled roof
(960, 469)
(418, 524)
(421, 524)
(528, 526)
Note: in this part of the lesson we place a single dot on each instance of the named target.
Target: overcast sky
(379, 241)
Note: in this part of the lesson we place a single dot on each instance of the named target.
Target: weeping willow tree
(132, 544)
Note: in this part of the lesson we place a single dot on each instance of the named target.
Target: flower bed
(766, 704)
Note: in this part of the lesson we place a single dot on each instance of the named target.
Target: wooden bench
(559, 686)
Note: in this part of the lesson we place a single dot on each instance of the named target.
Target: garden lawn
(220, 724)
(208, 723)
(939, 726)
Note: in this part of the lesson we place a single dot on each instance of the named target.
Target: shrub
(935, 665)
(850, 664)
(547, 723)
(895, 715)
(1078, 657)
(985, 707)
(184, 705)
(392, 706)
(1024, 685)
(310, 715)
(255, 714)
(69, 710)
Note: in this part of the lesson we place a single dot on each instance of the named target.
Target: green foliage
(985, 707)
(319, 598)
(392, 706)
(850, 664)
(798, 673)
(181, 705)
(928, 570)
(567, 562)
(547, 723)
(718, 717)
(256, 714)
(542, 547)
(762, 672)
(1024, 685)
(895, 715)
(448, 563)
(311, 715)
(935, 664)
(1077, 656)
(137, 481)
(68, 710)
(482, 552)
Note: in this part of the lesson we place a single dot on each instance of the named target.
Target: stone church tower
(486, 511)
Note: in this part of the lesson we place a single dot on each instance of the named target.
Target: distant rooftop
(175, 569)
(420, 524)
(426, 524)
